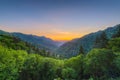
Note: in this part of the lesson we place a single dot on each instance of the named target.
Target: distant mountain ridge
(72, 47)
(38, 41)
(68, 49)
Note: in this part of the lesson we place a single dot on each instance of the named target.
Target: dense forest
(88, 42)
(15, 43)
(20, 60)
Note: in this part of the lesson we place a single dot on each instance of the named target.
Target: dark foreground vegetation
(17, 62)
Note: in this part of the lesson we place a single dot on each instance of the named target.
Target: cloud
(2, 27)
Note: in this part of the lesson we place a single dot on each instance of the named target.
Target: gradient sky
(58, 19)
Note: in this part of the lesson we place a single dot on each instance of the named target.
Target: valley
(95, 56)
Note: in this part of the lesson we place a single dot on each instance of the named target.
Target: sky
(60, 20)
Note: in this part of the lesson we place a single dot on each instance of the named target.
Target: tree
(98, 63)
(101, 41)
(38, 68)
(31, 68)
(76, 63)
(117, 65)
(81, 50)
(69, 73)
(11, 62)
(114, 44)
(117, 33)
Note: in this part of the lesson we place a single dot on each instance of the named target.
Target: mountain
(12, 42)
(72, 47)
(3, 32)
(38, 41)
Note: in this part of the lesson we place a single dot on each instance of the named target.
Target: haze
(59, 20)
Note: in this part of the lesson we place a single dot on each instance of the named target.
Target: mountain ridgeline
(72, 48)
(22, 60)
(11, 42)
(88, 42)
(38, 41)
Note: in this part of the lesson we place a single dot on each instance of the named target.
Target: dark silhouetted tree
(101, 41)
(118, 32)
(81, 50)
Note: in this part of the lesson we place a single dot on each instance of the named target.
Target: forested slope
(87, 42)
(98, 64)
(15, 43)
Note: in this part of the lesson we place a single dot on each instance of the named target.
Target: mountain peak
(71, 48)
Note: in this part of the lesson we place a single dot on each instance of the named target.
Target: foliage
(9, 41)
(76, 63)
(81, 50)
(117, 33)
(11, 63)
(114, 44)
(69, 73)
(17, 64)
(98, 63)
(101, 41)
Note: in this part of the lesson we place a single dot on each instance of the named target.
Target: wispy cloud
(2, 27)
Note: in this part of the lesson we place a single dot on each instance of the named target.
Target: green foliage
(76, 63)
(98, 63)
(81, 50)
(69, 73)
(39, 68)
(9, 41)
(114, 44)
(118, 32)
(11, 63)
(12, 42)
(117, 61)
(101, 41)
(16, 64)
(117, 65)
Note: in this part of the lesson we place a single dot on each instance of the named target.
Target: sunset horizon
(59, 39)
(60, 36)
(60, 20)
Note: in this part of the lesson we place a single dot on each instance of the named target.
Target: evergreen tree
(101, 41)
(81, 50)
(118, 33)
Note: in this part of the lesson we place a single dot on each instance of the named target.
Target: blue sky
(58, 19)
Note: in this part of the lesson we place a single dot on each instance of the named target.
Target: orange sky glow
(53, 31)
(63, 37)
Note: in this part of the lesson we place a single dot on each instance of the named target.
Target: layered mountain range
(68, 49)
(41, 42)
(72, 47)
